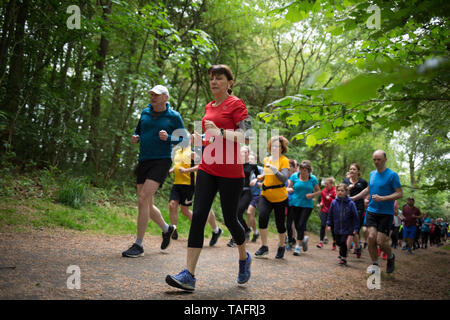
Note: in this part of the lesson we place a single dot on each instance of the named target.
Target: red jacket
(323, 198)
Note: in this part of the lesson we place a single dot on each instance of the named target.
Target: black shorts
(382, 222)
(182, 193)
(155, 169)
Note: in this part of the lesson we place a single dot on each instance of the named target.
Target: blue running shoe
(244, 269)
(184, 280)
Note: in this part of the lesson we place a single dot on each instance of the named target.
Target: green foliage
(72, 193)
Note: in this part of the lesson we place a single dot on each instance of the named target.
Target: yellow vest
(182, 159)
(277, 194)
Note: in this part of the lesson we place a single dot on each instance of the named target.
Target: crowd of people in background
(358, 214)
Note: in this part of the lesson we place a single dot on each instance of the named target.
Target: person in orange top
(274, 195)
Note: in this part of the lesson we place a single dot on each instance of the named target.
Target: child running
(327, 195)
(343, 218)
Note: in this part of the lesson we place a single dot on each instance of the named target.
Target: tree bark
(93, 153)
(15, 77)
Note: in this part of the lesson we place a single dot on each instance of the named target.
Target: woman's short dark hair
(221, 69)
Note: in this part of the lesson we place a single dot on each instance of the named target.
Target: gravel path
(33, 266)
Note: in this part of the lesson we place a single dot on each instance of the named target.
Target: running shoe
(365, 245)
(231, 243)
(325, 241)
(184, 280)
(305, 243)
(166, 237)
(342, 262)
(358, 252)
(215, 237)
(175, 235)
(280, 253)
(134, 251)
(288, 246)
(320, 245)
(244, 269)
(390, 266)
(255, 237)
(297, 251)
(333, 248)
(372, 268)
(292, 242)
(264, 250)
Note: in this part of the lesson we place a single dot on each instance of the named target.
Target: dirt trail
(33, 266)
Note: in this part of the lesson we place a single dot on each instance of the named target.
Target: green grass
(50, 198)
(113, 220)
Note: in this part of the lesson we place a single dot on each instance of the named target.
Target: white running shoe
(305, 243)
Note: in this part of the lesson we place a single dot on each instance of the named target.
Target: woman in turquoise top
(425, 230)
(303, 186)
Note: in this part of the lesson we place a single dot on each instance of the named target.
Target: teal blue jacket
(150, 145)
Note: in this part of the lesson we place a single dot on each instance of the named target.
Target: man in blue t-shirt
(158, 129)
(384, 188)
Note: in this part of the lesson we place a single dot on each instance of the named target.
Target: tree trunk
(8, 27)
(93, 154)
(15, 79)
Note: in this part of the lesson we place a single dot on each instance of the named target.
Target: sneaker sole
(174, 283)
(262, 256)
(132, 256)
(243, 282)
(168, 245)
(296, 254)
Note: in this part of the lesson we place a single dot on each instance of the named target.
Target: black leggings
(265, 208)
(244, 202)
(206, 188)
(289, 220)
(301, 216)
(323, 225)
(341, 241)
(425, 238)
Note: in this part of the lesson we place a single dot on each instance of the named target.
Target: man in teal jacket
(158, 129)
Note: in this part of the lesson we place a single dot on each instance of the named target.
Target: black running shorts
(155, 169)
(382, 222)
(182, 193)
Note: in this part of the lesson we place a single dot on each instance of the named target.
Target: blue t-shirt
(301, 189)
(149, 125)
(425, 227)
(383, 184)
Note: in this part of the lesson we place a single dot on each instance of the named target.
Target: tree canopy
(339, 78)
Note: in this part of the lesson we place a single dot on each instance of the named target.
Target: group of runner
(219, 164)
(417, 232)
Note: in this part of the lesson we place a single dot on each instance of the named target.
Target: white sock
(216, 230)
(165, 228)
(139, 241)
